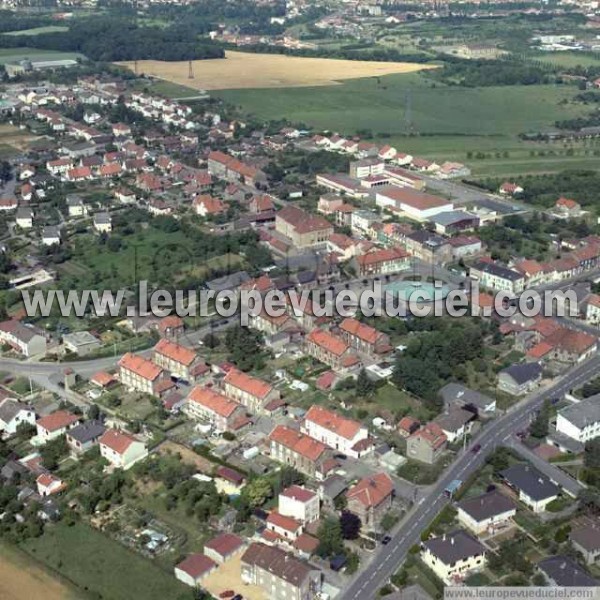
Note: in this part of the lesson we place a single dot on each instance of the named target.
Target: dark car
(340, 456)
(476, 448)
(386, 539)
(238, 597)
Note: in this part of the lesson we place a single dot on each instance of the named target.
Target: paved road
(558, 476)
(388, 559)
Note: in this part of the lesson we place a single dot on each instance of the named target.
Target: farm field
(13, 139)
(246, 70)
(100, 565)
(442, 122)
(568, 59)
(15, 54)
(165, 88)
(37, 30)
(21, 579)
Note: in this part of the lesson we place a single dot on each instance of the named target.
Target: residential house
(453, 170)
(24, 217)
(229, 481)
(54, 425)
(381, 262)
(76, 206)
(298, 450)
(207, 206)
(453, 556)
(456, 422)
(193, 569)
(171, 326)
(51, 235)
(454, 221)
(580, 421)
(336, 431)
(48, 484)
(208, 405)
(364, 338)
(299, 503)
(302, 228)
(567, 208)
(592, 309)
(281, 528)
(174, 358)
(563, 571)
(428, 247)
(24, 339)
(13, 414)
(493, 276)
(281, 575)
(260, 204)
(331, 350)
(251, 392)
(458, 395)
(328, 203)
(586, 540)
(486, 514)
(533, 488)
(519, 379)
(426, 444)
(510, 189)
(407, 426)
(121, 449)
(102, 222)
(140, 374)
(365, 167)
(85, 436)
(371, 498)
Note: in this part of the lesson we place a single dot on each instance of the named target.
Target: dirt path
(20, 579)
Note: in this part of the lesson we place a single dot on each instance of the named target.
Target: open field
(21, 579)
(13, 138)
(443, 122)
(244, 70)
(37, 30)
(16, 54)
(568, 59)
(94, 562)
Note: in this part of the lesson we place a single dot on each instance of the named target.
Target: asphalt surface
(388, 559)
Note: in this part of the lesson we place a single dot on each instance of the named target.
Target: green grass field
(166, 88)
(100, 565)
(37, 30)
(568, 59)
(445, 122)
(15, 54)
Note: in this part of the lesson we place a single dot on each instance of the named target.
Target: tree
(364, 386)
(539, 427)
(5, 171)
(330, 539)
(591, 457)
(258, 491)
(350, 525)
(93, 412)
(210, 340)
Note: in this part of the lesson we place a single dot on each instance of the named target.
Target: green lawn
(37, 30)
(568, 59)
(100, 565)
(166, 88)
(15, 54)
(446, 122)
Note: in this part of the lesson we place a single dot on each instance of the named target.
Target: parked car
(476, 448)
(386, 539)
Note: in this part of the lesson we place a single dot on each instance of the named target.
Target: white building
(535, 489)
(415, 205)
(300, 504)
(337, 432)
(488, 513)
(13, 414)
(580, 421)
(121, 449)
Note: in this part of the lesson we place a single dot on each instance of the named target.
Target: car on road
(476, 448)
(386, 539)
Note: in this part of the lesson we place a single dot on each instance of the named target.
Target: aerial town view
(299, 299)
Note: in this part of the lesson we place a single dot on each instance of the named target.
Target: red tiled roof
(306, 543)
(296, 492)
(570, 340)
(175, 352)
(142, 367)
(170, 322)
(230, 475)
(102, 378)
(407, 423)
(329, 342)
(326, 380)
(57, 420)
(213, 401)
(196, 565)
(225, 544)
(346, 428)
(251, 385)
(302, 221)
(381, 256)
(282, 522)
(298, 442)
(364, 332)
(117, 440)
(539, 350)
(372, 491)
(432, 433)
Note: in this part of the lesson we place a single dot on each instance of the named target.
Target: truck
(452, 487)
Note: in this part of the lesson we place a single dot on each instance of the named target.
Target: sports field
(22, 579)
(16, 54)
(241, 70)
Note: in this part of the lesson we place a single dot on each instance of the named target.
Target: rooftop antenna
(190, 70)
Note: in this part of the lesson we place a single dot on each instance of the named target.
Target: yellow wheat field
(246, 70)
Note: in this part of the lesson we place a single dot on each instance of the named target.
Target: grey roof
(487, 505)
(523, 372)
(455, 392)
(498, 270)
(51, 231)
(583, 413)
(333, 486)
(454, 419)
(587, 536)
(454, 546)
(80, 338)
(528, 479)
(87, 432)
(565, 572)
(24, 212)
(427, 238)
(228, 282)
(102, 218)
(453, 216)
(10, 408)
(74, 200)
